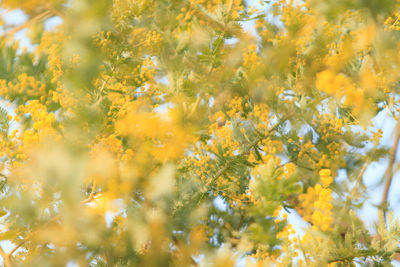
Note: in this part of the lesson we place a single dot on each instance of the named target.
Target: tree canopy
(185, 132)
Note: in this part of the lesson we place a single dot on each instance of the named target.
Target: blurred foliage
(169, 133)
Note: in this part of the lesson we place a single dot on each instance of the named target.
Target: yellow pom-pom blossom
(316, 205)
(326, 178)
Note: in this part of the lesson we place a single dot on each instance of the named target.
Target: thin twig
(352, 193)
(356, 254)
(92, 193)
(195, 106)
(217, 175)
(389, 171)
(100, 94)
(29, 236)
(176, 242)
(241, 220)
(6, 258)
(41, 16)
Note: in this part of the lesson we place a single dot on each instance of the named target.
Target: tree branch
(30, 236)
(352, 194)
(92, 193)
(42, 16)
(6, 258)
(357, 254)
(389, 171)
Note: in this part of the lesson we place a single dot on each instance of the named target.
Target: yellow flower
(326, 177)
